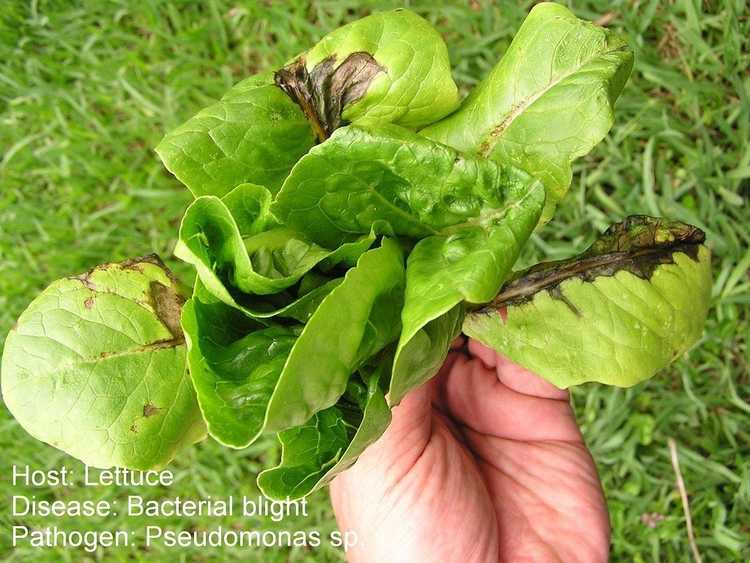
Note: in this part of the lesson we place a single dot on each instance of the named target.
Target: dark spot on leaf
(149, 409)
(133, 428)
(89, 302)
(85, 279)
(324, 92)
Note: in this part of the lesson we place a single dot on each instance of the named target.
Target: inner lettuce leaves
(95, 366)
(369, 174)
(466, 264)
(354, 322)
(225, 241)
(616, 314)
(250, 378)
(548, 101)
(332, 440)
(235, 364)
(390, 67)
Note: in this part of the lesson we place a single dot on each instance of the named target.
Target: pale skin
(483, 463)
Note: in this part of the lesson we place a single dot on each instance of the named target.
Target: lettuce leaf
(467, 264)
(624, 309)
(332, 440)
(254, 134)
(95, 366)
(385, 174)
(389, 67)
(548, 101)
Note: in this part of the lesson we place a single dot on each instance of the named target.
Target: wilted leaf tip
(324, 92)
(638, 244)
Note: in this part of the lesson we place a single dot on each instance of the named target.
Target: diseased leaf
(224, 240)
(468, 264)
(366, 174)
(96, 367)
(328, 88)
(618, 313)
(234, 364)
(331, 441)
(547, 102)
(255, 133)
(390, 67)
(353, 323)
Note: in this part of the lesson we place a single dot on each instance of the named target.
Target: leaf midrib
(486, 146)
(141, 349)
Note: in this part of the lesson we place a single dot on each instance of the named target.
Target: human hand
(483, 463)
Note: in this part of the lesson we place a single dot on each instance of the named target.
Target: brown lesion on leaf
(150, 347)
(149, 409)
(166, 300)
(639, 244)
(85, 279)
(135, 264)
(167, 303)
(133, 428)
(328, 88)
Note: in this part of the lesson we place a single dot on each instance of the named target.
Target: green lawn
(87, 90)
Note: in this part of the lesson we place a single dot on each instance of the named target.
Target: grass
(87, 90)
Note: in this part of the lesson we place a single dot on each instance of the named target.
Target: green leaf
(95, 366)
(618, 313)
(422, 355)
(224, 240)
(255, 133)
(389, 67)
(366, 174)
(353, 322)
(250, 378)
(299, 307)
(547, 102)
(468, 264)
(331, 441)
(234, 366)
